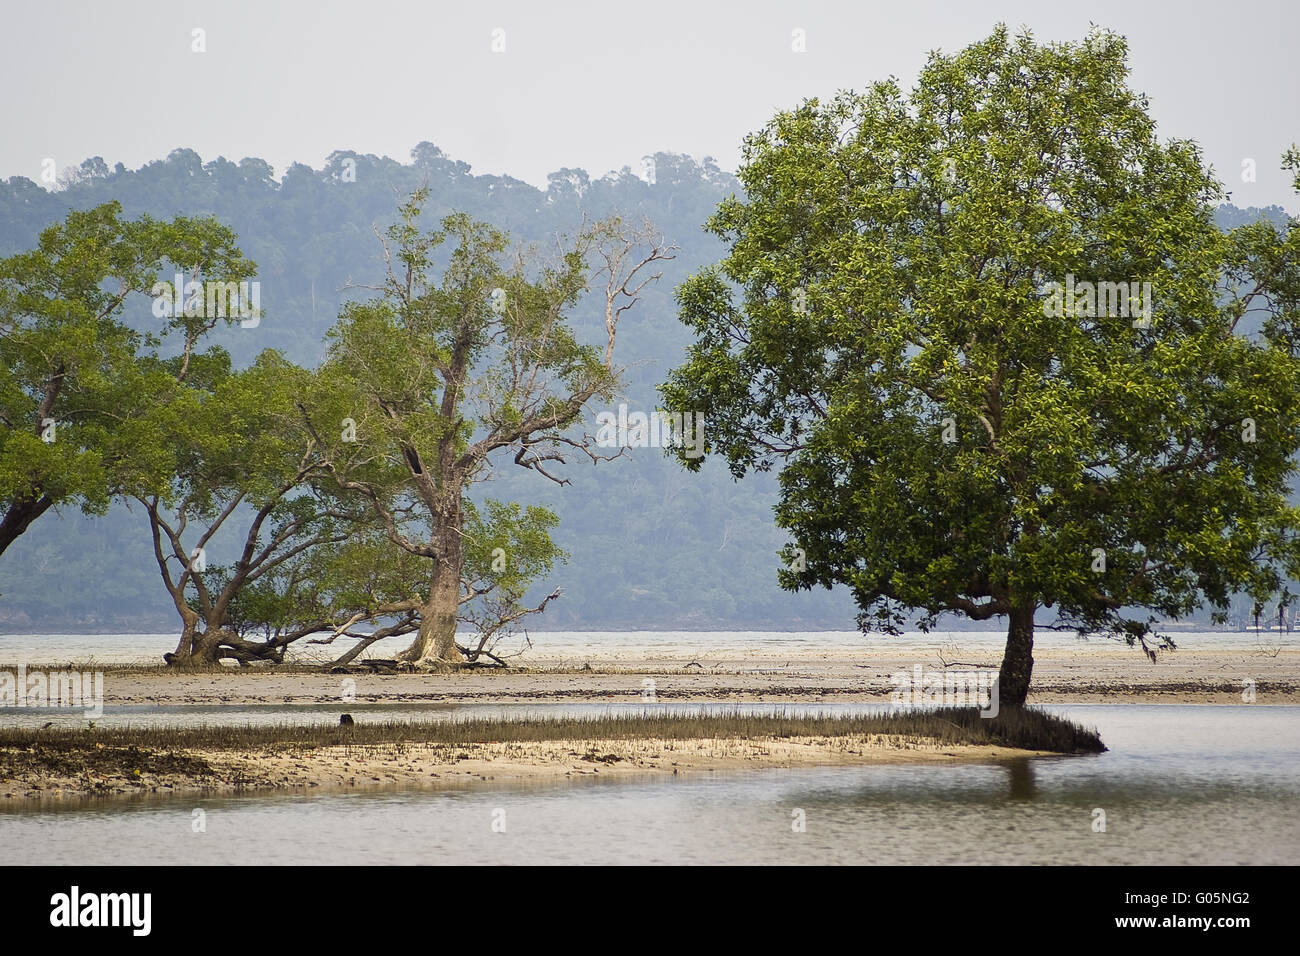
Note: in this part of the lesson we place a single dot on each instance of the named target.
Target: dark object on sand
(346, 721)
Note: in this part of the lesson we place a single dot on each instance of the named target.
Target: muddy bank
(28, 778)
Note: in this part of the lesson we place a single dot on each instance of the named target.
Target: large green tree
(442, 377)
(904, 324)
(73, 376)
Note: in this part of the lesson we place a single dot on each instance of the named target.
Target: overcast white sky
(590, 84)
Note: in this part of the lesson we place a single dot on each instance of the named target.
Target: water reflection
(1021, 775)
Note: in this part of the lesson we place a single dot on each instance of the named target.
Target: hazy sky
(590, 84)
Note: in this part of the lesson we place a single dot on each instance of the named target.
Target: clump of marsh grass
(1020, 728)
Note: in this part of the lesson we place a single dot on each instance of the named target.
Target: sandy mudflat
(455, 765)
(1088, 673)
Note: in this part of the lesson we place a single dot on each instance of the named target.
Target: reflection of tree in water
(1022, 778)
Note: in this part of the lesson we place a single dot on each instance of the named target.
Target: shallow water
(1189, 784)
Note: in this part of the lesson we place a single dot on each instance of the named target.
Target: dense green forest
(649, 545)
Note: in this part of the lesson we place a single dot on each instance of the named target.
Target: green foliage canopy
(883, 329)
(73, 377)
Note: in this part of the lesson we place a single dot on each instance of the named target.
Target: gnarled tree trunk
(217, 643)
(197, 649)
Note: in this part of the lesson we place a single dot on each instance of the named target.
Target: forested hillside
(650, 546)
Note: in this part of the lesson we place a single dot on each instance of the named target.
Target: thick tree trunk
(1018, 659)
(435, 642)
(198, 650)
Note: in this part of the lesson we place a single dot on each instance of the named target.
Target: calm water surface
(1181, 785)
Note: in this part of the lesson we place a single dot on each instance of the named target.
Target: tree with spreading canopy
(440, 378)
(955, 434)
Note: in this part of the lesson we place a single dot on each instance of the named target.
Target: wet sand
(1090, 673)
(457, 765)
